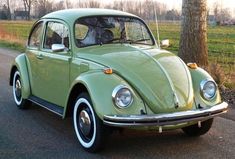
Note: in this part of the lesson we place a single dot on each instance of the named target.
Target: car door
(32, 55)
(49, 70)
(53, 65)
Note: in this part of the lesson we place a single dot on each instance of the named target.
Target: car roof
(71, 15)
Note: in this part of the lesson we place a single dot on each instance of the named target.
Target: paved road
(37, 133)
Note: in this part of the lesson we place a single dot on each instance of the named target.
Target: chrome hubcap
(85, 122)
(18, 88)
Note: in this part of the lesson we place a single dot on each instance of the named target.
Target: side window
(34, 39)
(56, 33)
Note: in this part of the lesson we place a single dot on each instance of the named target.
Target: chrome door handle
(39, 56)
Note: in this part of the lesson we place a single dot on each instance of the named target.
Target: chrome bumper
(165, 119)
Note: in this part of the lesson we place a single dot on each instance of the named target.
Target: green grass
(14, 34)
(221, 39)
(20, 29)
(14, 46)
(221, 43)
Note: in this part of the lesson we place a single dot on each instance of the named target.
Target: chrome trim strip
(165, 119)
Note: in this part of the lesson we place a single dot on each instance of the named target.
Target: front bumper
(165, 119)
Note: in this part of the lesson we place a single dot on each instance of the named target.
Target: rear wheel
(17, 92)
(89, 128)
(195, 130)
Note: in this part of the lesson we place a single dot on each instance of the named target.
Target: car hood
(161, 78)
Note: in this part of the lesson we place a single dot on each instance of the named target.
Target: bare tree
(118, 5)
(148, 10)
(172, 15)
(193, 38)
(68, 4)
(59, 5)
(216, 11)
(143, 9)
(91, 4)
(28, 6)
(43, 7)
(7, 9)
(221, 14)
(225, 14)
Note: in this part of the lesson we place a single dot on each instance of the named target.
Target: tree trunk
(28, 14)
(193, 38)
(8, 10)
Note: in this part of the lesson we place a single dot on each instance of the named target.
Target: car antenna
(156, 21)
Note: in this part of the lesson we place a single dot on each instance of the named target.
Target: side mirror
(57, 47)
(165, 43)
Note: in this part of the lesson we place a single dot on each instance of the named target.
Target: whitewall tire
(88, 127)
(17, 91)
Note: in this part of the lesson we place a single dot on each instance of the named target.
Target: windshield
(109, 29)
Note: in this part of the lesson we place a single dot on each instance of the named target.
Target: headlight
(208, 89)
(122, 96)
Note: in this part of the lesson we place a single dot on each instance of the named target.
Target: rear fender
(20, 64)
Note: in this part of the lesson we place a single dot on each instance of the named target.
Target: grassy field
(221, 40)
(14, 34)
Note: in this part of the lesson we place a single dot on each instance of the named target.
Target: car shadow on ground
(50, 135)
(122, 142)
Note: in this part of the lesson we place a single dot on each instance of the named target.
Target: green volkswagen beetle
(104, 68)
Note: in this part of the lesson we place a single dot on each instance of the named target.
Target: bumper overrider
(166, 118)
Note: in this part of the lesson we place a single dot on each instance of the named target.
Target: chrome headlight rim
(115, 92)
(202, 84)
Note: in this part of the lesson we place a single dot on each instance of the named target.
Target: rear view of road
(37, 133)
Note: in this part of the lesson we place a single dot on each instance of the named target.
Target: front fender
(100, 87)
(198, 75)
(20, 64)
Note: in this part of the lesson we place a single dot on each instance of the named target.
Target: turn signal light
(192, 65)
(108, 71)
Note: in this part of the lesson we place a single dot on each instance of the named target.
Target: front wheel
(17, 92)
(195, 130)
(89, 128)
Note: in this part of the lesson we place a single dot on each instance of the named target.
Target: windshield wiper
(136, 41)
(127, 40)
(115, 39)
(120, 40)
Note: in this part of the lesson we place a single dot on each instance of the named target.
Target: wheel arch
(20, 64)
(13, 69)
(198, 75)
(100, 86)
(87, 82)
(77, 89)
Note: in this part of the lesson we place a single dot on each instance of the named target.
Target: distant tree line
(28, 9)
(221, 15)
(37, 8)
(5, 12)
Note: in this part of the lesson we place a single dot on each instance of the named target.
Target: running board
(47, 105)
